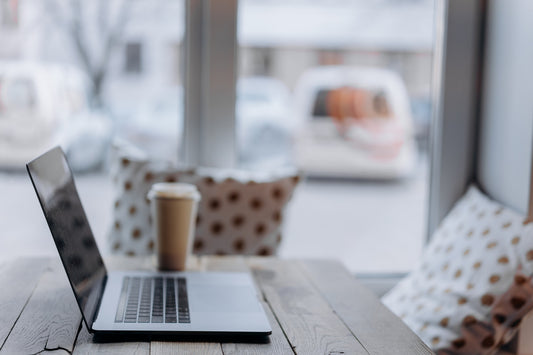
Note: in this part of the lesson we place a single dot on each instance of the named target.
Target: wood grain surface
(377, 328)
(169, 348)
(86, 346)
(306, 318)
(314, 307)
(51, 318)
(17, 282)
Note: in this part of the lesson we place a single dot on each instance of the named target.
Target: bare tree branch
(94, 63)
(77, 35)
(116, 33)
(103, 16)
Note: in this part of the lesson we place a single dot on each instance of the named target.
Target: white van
(337, 137)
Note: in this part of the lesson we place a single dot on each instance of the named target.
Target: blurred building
(146, 54)
(280, 39)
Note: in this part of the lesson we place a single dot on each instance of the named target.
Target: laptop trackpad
(220, 298)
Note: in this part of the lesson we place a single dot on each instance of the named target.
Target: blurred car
(42, 105)
(263, 122)
(263, 130)
(353, 122)
(154, 124)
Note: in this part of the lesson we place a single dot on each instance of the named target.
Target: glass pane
(341, 90)
(83, 74)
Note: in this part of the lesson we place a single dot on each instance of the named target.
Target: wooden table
(314, 307)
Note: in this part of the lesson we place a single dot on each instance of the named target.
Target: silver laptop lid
(52, 180)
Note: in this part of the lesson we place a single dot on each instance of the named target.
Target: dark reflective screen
(53, 182)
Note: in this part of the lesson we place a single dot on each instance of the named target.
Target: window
(63, 82)
(133, 58)
(342, 93)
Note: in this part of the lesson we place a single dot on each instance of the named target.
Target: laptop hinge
(97, 310)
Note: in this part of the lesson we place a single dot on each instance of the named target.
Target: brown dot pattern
(214, 204)
(256, 203)
(260, 229)
(136, 233)
(150, 245)
(237, 221)
(217, 228)
(503, 260)
(487, 299)
(529, 255)
(171, 178)
(239, 245)
(149, 176)
(234, 196)
(198, 245)
(239, 213)
(469, 263)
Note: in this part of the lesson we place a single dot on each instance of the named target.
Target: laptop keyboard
(153, 300)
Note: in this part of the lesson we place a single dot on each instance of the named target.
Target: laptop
(201, 305)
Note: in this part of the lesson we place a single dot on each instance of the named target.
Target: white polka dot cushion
(239, 213)
(470, 262)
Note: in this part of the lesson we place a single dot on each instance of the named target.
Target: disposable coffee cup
(174, 207)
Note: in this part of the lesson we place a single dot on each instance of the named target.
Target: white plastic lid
(174, 190)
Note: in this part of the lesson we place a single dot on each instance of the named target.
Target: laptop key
(133, 301)
(146, 295)
(183, 301)
(153, 299)
(157, 302)
(170, 305)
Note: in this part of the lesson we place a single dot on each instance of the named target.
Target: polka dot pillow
(239, 213)
(470, 262)
(495, 336)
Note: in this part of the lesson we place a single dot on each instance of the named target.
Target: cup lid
(174, 190)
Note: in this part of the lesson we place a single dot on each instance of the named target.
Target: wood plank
(18, 280)
(306, 318)
(170, 348)
(278, 342)
(85, 345)
(51, 318)
(377, 328)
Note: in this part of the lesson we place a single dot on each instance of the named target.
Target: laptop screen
(54, 185)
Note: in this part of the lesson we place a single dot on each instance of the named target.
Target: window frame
(210, 85)
(457, 70)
